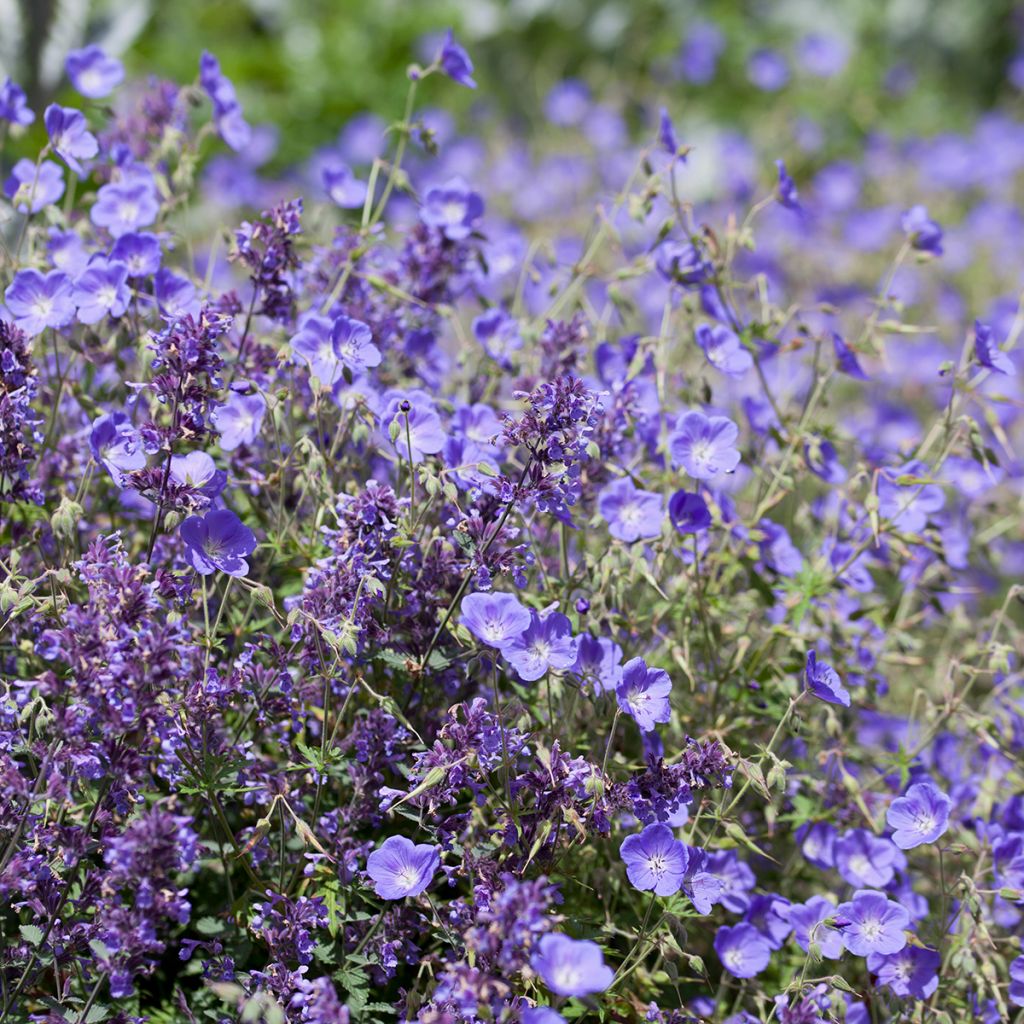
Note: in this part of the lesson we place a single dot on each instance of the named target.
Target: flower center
(859, 864)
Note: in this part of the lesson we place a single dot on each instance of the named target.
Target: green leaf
(31, 933)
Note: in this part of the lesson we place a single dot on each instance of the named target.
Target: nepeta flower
(19, 421)
(643, 694)
(924, 234)
(988, 352)
(786, 191)
(631, 514)
(400, 868)
(824, 682)
(353, 344)
(455, 62)
(227, 111)
(37, 301)
(571, 967)
(703, 445)
(102, 291)
(217, 541)
(70, 136)
(13, 104)
(453, 209)
(92, 72)
(920, 816)
(723, 349)
(655, 860)
(125, 206)
(239, 420)
(494, 618)
(546, 643)
(30, 188)
(689, 512)
(743, 950)
(864, 859)
(913, 971)
(874, 923)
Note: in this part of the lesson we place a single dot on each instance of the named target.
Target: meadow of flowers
(466, 578)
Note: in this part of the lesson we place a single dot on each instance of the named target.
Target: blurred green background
(308, 65)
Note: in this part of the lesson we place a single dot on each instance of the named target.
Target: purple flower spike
(93, 73)
(743, 950)
(643, 694)
(401, 868)
(217, 541)
(876, 924)
(920, 816)
(37, 301)
(70, 136)
(453, 209)
(496, 619)
(655, 860)
(824, 682)
(571, 967)
(703, 445)
(631, 514)
(455, 62)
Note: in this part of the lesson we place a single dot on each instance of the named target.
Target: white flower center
(859, 864)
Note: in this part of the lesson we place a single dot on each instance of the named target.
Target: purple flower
(913, 971)
(198, 471)
(808, 921)
(70, 136)
(227, 111)
(411, 420)
(571, 967)
(737, 879)
(846, 358)
(688, 512)
(314, 344)
(93, 73)
(343, 187)
(455, 62)
(546, 643)
(123, 207)
(13, 104)
(824, 55)
(681, 263)
(643, 694)
(988, 352)
(353, 344)
(37, 301)
(920, 816)
(703, 888)
(924, 234)
(723, 350)
(494, 618)
(1016, 992)
(875, 924)
(102, 291)
(631, 514)
(139, 252)
(817, 843)
(824, 682)
(786, 189)
(599, 661)
(703, 445)
(743, 950)
(117, 445)
(498, 333)
(30, 188)
(767, 70)
(219, 540)
(667, 133)
(239, 420)
(865, 859)
(453, 209)
(401, 868)
(655, 860)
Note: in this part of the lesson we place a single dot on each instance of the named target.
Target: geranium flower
(571, 967)
(703, 446)
(872, 923)
(920, 816)
(400, 868)
(219, 541)
(655, 860)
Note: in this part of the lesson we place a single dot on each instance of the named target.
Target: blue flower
(455, 62)
(824, 682)
(453, 208)
(920, 816)
(643, 694)
(547, 643)
(239, 420)
(631, 514)
(571, 967)
(924, 234)
(401, 868)
(217, 541)
(743, 950)
(872, 923)
(496, 619)
(92, 72)
(655, 860)
(988, 352)
(70, 136)
(723, 350)
(703, 445)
